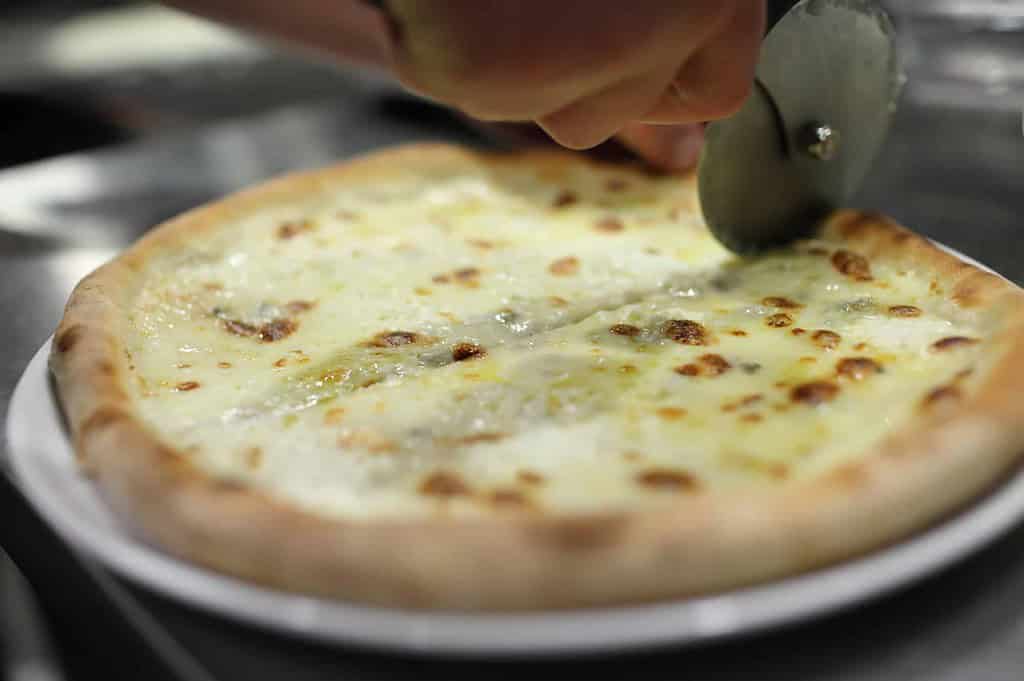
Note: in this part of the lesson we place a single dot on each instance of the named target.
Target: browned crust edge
(705, 543)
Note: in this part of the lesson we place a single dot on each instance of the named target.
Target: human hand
(587, 71)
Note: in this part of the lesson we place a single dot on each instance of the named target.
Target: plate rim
(678, 623)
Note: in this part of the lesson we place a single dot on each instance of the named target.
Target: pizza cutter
(826, 88)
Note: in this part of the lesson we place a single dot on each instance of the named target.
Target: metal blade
(827, 86)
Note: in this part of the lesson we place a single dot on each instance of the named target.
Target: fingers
(674, 148)
(589, 121)
(582, 71)
(716, 81)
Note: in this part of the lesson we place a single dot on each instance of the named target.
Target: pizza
(439, 378)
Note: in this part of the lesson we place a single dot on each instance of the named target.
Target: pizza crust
(699, 544)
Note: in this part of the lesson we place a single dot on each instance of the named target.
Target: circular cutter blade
(826, 88)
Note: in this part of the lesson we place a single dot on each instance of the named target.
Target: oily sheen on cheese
(500, 339)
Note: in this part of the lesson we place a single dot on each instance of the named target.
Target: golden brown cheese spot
(779, 321)
(371, 441)
(508, 497)
(334, 376)
(715, 365)
(627, 369)
(781, 303)
(738, 333)
(858, 368)
(281, 363)
(565, 267)
(530, 478)
(668, 480)
(953, 343)
(223, 365)
(464, 351)
(482, 244)
(467, 276)
(751, 418)
(798, 331)
(69, 338)
(565, 199)
(186, 386)
(558, 301)
(293, 228)
(441, 279)
(609, 225)
(904, 311)
(808, 360)
(688, 370)
(627, 330)
(299, 306)
(444, 484)
(277, 329)
(746, 401)
(685, 332)
(616, 184)
(333, 416)
(240, 328)
(671, 413)
(852, 265)
(478, 438)
(183, 365)
(422, 291)
(942, 397)
(269, 332)
(826, 340)
(253, 458)
(394, 339)
(814, 393)
(970, 291)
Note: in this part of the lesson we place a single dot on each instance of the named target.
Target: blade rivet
(821, 141)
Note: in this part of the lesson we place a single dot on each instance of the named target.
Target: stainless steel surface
(952, 169)
(968, 51)
(26, 648)
(65, 583)
(827, 86)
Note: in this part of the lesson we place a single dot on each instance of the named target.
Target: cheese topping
(491, 339)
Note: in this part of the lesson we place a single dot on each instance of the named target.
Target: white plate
(42, 459)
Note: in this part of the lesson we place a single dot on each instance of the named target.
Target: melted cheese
(262, 349)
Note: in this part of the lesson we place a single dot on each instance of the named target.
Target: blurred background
(77, 74)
